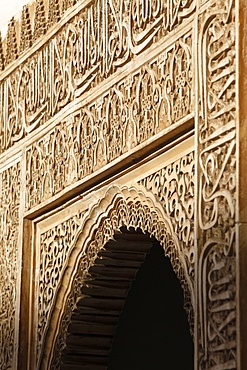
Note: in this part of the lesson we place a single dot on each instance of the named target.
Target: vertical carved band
(217, 187)
(54, 250)
(9, 226)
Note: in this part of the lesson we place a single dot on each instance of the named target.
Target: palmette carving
(53, 12)
(72, 62)
(40, 24)
(132, 111)
(131, 207)
(66, 4)
(217, 187)
(55, 246)
(174, 187)
(2, 59)
(11, 41)
(9, 224)
(26, 30)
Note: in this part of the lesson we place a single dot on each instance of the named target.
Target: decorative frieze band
(95, 43)
(132, 111)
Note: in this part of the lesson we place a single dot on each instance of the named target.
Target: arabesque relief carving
(217, 187)
(55, 246)
(9, 226)
(132, 111)
(86, 95)
(131, 207)
(72, 62)
(175, 188)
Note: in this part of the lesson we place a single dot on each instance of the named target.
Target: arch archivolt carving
(133, 207)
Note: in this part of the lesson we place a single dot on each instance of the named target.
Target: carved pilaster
(241, 18)
(217, 187)
(55, 246)
(9, 226)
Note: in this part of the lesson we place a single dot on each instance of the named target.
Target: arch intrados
(129, 207)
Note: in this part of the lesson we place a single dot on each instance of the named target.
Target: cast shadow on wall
(153, 331)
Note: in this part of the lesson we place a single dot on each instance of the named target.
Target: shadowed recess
(132, 315)
(153, 331)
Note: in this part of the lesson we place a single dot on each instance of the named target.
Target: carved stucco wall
(86, 90)
(9, 221)
(131, 207)
(217, 186)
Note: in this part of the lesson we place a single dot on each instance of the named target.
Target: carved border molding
(9, 226)
(135, 109)
(131, 207)
(54, 249)
(217, 187)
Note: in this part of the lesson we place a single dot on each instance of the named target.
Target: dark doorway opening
(153, 330)
(131, 316)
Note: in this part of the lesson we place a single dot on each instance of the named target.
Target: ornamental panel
(93, 44)
(174, 186)
(9, 246)
(149, 100)
(54, 247)
(217, 186)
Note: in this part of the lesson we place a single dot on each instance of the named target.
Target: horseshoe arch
(132, 207)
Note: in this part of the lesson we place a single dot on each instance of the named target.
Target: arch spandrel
(132, 207)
